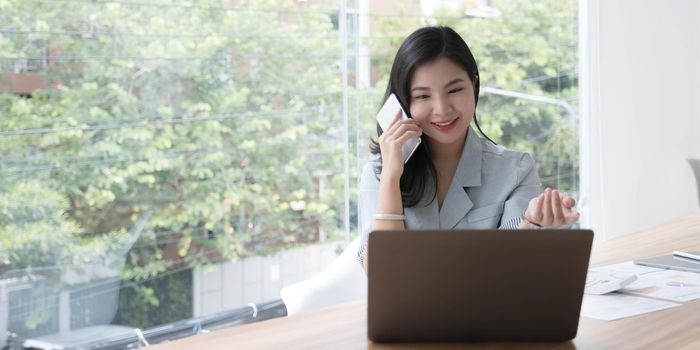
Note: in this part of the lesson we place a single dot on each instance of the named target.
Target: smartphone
(386, 115)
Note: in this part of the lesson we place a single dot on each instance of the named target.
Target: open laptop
(476, 285)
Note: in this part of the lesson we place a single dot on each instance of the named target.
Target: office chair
(695, 165)
(343, 280)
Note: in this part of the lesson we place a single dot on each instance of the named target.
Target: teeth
(444, 124)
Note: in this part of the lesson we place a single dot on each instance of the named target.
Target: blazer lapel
(457, 203)
(424, 215)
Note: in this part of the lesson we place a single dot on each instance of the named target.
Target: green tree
(221, 124)
(194, 114)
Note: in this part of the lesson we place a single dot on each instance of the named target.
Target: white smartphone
(386, 115)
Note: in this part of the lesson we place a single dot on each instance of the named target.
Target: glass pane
(166, 157)
(173, 163)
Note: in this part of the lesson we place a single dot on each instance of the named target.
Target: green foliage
(195, 113)
(531, 49)
(164, 299)
(223, 124)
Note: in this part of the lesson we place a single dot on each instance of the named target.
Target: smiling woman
(454, 173)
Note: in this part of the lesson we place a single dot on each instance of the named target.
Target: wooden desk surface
(344, 326)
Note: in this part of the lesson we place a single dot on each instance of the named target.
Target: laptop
(476, 285)
(671, 262)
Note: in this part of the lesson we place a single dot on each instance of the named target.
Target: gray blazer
(490, 189)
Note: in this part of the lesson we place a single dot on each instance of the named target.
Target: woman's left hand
(551, 209)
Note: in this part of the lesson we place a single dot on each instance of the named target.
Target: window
(182, 160)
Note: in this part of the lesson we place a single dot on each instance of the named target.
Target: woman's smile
(445, 126)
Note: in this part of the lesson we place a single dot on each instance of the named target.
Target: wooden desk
(344, 326)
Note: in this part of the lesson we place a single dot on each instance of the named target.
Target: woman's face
(442, 101)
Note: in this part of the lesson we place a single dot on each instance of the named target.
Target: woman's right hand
(551, 209)
(391, 141)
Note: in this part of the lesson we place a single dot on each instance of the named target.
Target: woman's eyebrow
(420, 88)
(453, 81)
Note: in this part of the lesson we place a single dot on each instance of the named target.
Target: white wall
(256, 279)
(640, 110)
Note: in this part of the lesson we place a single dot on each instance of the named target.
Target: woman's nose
(441, 105)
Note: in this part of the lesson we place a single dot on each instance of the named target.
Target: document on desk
(680, 286)
(615, 306)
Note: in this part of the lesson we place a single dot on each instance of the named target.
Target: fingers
(547, 212)
(571, 218)
(553, 209)
(557, 210)
(391, 143)
(534, 209)
(409, 134)
(398, 129)
(398, 135)
(568, 202)
(397, 121)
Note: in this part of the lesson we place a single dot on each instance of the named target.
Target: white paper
(601, 282)
(672, 285)
(616, 306)
(628, 267)
(667, 284)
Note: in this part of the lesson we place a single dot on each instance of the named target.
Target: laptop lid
(476, 285)
(671, 262)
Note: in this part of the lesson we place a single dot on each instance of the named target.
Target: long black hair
(424, 45)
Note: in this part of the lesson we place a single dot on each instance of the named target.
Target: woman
(455, 179)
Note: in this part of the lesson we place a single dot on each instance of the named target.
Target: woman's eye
(420, 97)
(456, 90)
